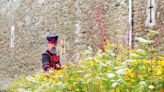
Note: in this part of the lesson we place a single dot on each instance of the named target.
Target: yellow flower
(41, 77)
(158, 71)
(132, 51)
(112, 90)
(78, 79)
(127, 78)
(152, 78)
(161, 62)
(74, 84)
(161, 57)
(15, 83)
(77, 90)
(71, 64)
(144, 52)
(140, 77)
(136, 62)
(64, 66)
(69, 86)
(127, 90)
(117, 89)
(57, 72)
(52, 81)
(149, 62)
(82, 62)
(130, 73)
(48, 74)
(107, 44)
(91, 63)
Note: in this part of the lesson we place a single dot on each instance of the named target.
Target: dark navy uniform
(50, 60)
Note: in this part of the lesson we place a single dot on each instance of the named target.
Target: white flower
(119, 80)
(142, 83)
(121, 71)
(112, 54)
(114, 84)
(140, 39)
(50, 71)
(113, 80)
(126, 62)
(151, 86)
(47, 84)
(29, 78)
(107, 50)
(89, 51)
(109, 63)
(86, 75)
(59, 83)
(133, 54)
(60, 76)
(117, 67)
(105, 54)
(129, 60)
(153, 32)
(79, 71)
(140, 50)
(111, 75)
(103, 78)
(99, 54)
(23, 90)
(102, 64)
(88, 58)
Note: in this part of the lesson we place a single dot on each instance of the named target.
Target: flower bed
(109, 71)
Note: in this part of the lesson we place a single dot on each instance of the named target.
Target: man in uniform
(50, 59)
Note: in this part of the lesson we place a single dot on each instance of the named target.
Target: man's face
(52, 45)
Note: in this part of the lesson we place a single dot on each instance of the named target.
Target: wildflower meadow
(120, 70)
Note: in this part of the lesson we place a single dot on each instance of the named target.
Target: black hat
(52, 38)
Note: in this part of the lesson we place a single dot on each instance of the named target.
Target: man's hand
(57, 66)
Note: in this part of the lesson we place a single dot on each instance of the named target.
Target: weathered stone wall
(160, 27)
(71, 19)
(140, 28)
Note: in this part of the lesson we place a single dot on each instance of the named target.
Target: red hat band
(52, 41)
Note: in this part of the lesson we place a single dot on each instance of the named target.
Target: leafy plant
(108, 71)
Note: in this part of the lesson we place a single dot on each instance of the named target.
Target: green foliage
(109, 71)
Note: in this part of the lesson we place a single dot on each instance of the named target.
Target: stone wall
(72, 20)
(142, 30)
